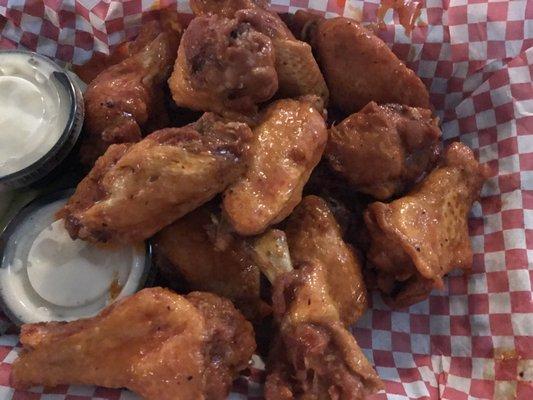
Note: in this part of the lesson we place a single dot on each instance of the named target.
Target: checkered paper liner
(473, 340)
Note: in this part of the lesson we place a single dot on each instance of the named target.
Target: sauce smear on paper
(408, 12)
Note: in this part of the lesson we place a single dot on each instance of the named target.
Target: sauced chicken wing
(187, 250)
(297, 69)
(126, 100)
(155, 343)
(419, 238)
(314, 236)
(298, 72)
(314, 356)
(236, 54)
(223, 65)
(156, 181)
(382, 150)
(358, 66)
(288, 144)
(100, 62)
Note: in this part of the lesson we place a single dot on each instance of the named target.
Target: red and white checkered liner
(475, 339)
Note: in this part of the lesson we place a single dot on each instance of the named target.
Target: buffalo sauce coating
(159, 344)
(408, 12)
(288, 144)
(314, 236)
(384, 149)
(420, 237)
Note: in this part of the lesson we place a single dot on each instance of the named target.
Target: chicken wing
(236, 54)
(297, 69)
(419, 238)
(100, 62)
(314, 356)
(298, 72)
(223, 65)
(288, 144)
(383, 150)
(186, 250)
(155, 343)
(156, 181)
(357, 65)
(126, 100)
(314, 236)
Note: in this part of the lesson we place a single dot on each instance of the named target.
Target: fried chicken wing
(156, 181)
(314, 356)
(126, 100)
(419, 238)
(288, 144)
(155, 343)
(223, 65)
(297, 69)
(236, 54)
(314, 236)
(187, 250)
(100, 62)
(383, 150)
(358, 66)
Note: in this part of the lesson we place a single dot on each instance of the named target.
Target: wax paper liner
(474, 340)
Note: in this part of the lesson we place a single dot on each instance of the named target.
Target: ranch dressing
(34, 110)
(47, 276)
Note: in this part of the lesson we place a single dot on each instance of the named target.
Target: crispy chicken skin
(315, 236)
(155, 343)
(314, 357)
(187, 250)
(419, 238)
(358, 66)
(156, 181)
(126, 100)
(384, 150)
(223, 65)
(288, 143)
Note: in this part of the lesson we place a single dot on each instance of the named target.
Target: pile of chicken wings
(281, 166)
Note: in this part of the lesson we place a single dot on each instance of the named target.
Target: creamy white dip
(34, 110)
(47, 276)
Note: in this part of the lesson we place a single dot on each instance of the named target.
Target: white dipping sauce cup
(41, 115)
(47, 276)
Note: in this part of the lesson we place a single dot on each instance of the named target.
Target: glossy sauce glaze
(408, 12)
